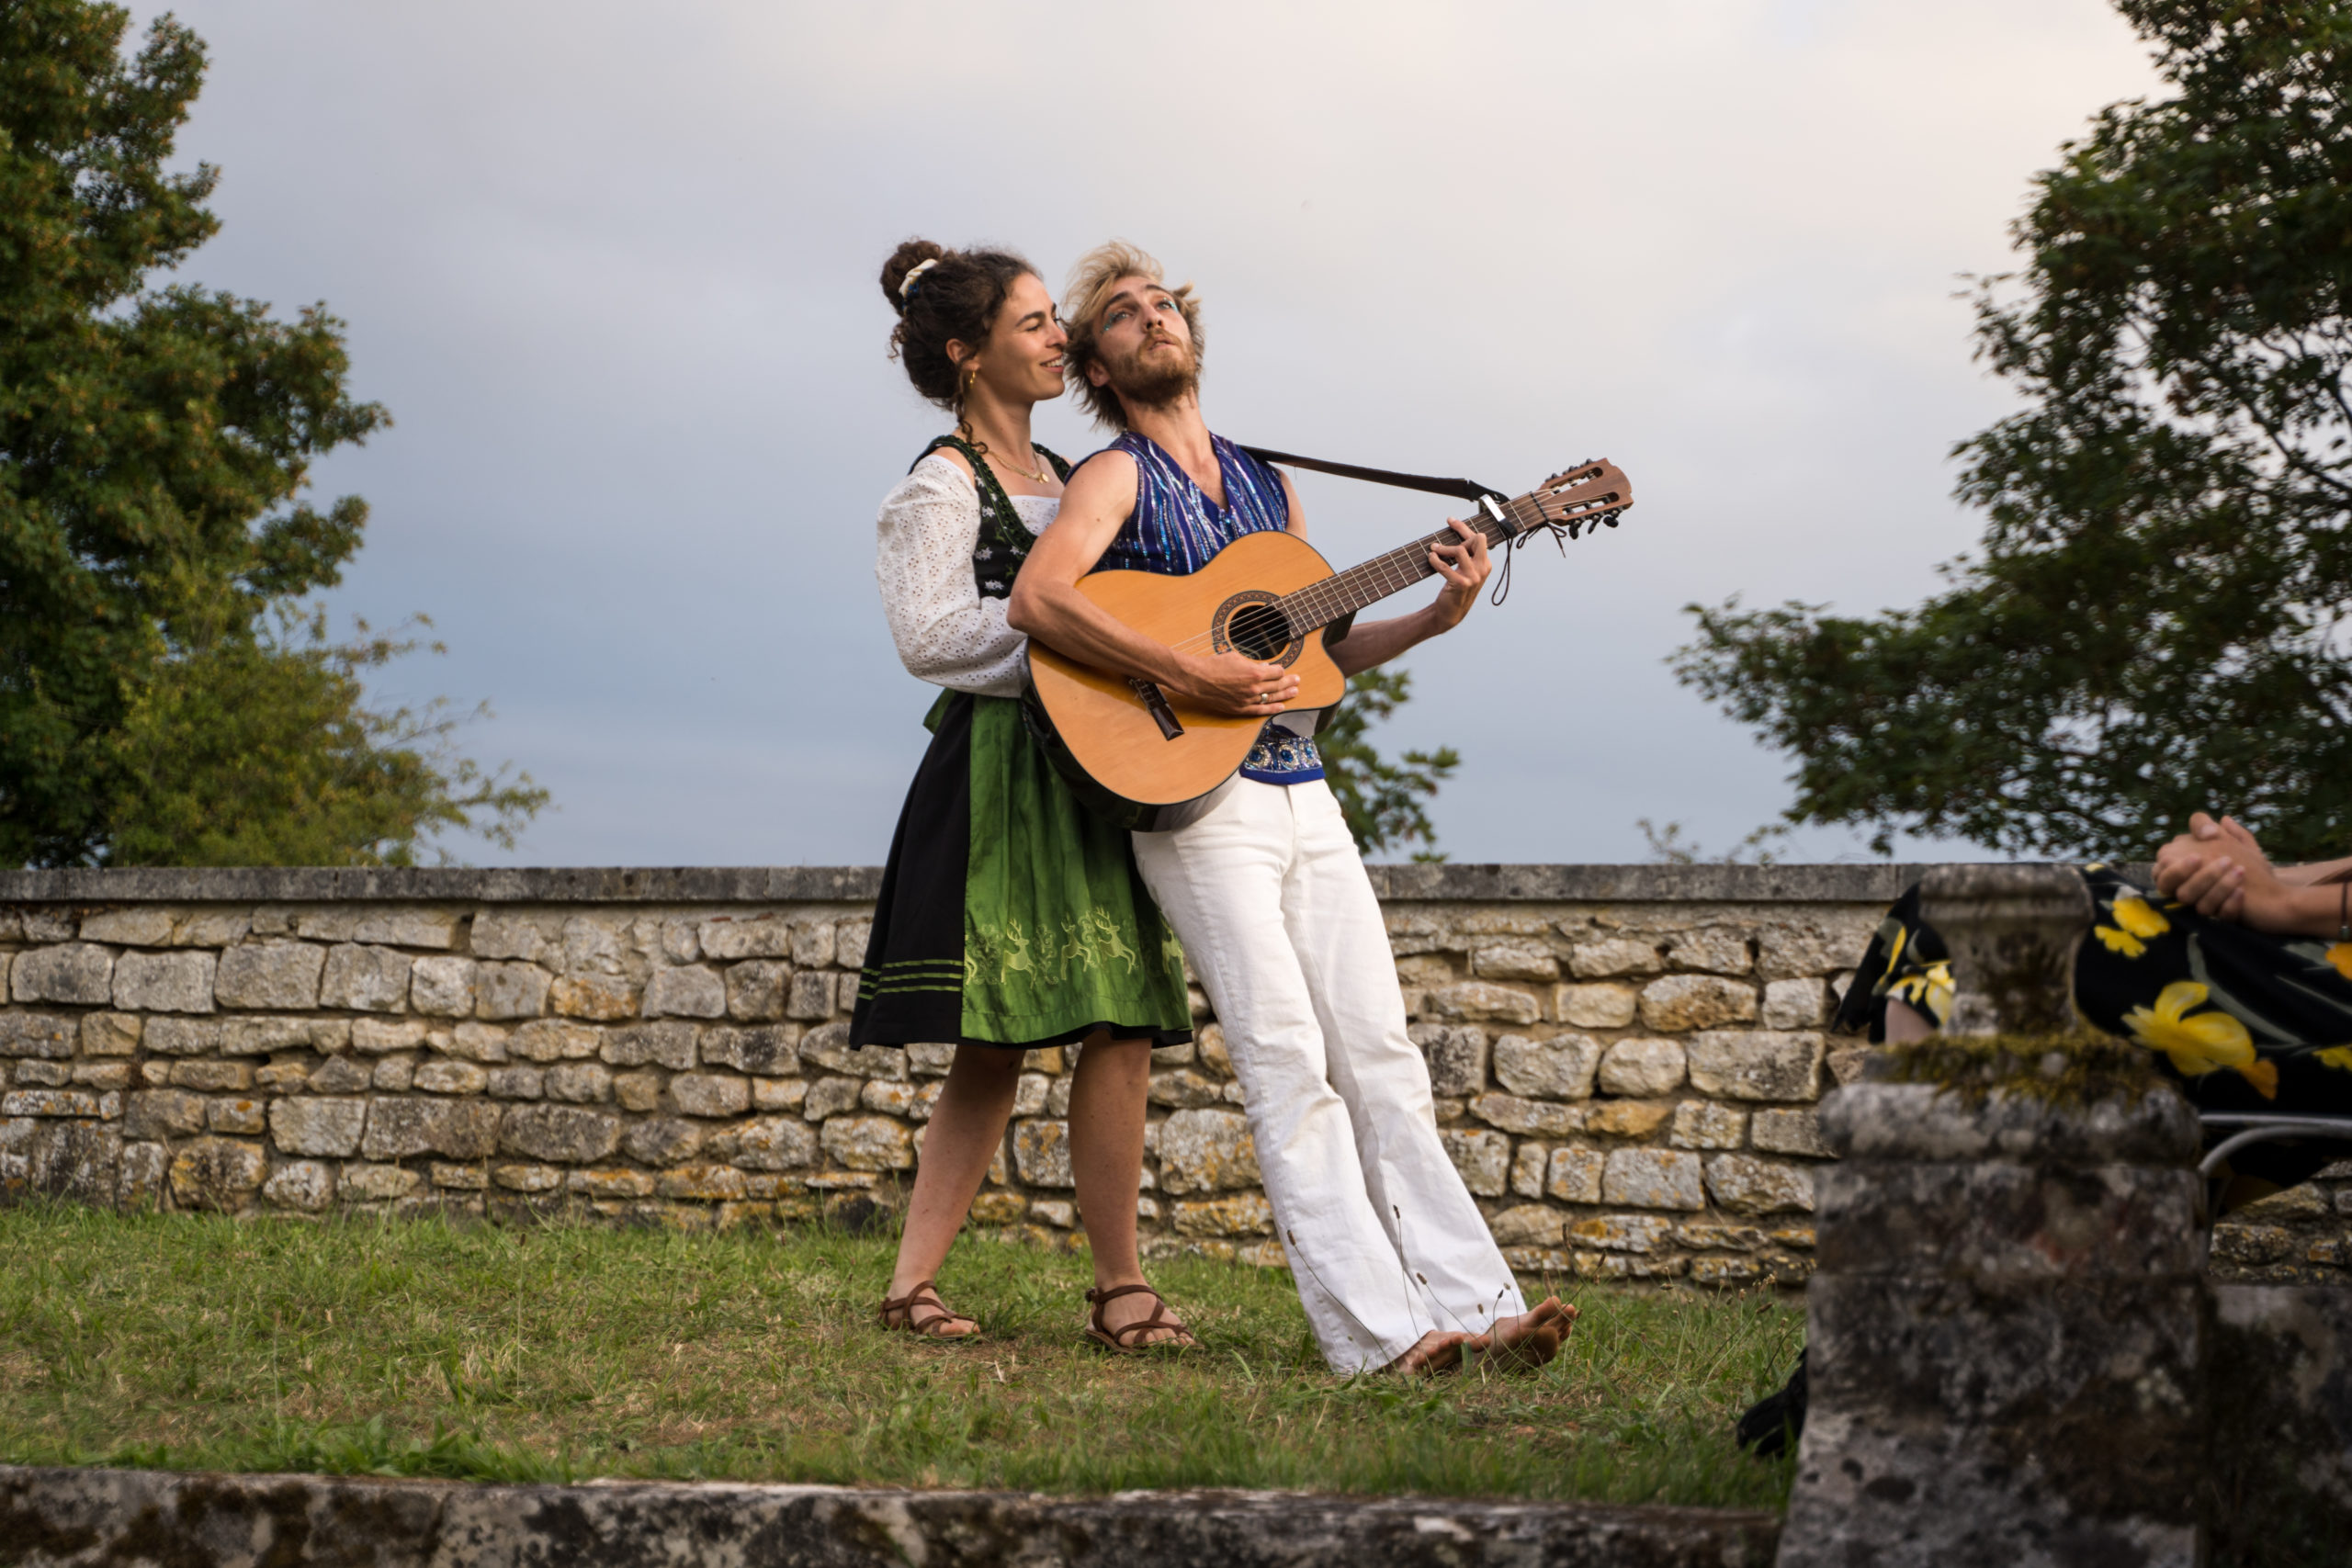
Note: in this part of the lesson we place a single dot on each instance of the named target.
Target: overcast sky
(612, 269)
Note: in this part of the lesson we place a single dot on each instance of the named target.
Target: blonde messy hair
(1082, 302)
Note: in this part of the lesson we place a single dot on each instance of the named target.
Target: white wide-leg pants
(1271, 903)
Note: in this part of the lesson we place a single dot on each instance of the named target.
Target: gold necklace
(1036, 476)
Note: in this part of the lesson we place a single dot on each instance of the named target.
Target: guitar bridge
(1155, 703)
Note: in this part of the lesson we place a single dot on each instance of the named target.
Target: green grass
(420, 1348)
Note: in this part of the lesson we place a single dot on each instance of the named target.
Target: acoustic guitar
(1149, 760)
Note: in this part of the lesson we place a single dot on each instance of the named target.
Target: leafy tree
(154, 446)
(1382, 799)
(2156, 621)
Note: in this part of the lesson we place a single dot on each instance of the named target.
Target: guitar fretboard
(1343, 594)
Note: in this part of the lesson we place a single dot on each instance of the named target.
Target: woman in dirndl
(1011, 918)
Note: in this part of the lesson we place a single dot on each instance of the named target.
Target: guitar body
(1112, 734)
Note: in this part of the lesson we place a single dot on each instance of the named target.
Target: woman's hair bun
(911, 255)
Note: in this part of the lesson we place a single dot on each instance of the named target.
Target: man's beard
(1153, 386)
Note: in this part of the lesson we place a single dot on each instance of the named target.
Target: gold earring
(971, 375)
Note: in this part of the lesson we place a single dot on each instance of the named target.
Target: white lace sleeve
(946, 633)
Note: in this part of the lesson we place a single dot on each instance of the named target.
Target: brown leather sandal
(1121, 1340)
(925, 1294)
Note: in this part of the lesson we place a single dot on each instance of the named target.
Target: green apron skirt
(1010, 915)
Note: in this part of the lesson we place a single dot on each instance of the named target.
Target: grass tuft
(418, 1348)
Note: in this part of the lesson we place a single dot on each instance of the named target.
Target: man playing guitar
(1393, 1261)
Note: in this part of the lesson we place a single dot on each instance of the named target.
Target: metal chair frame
(2264, 1127)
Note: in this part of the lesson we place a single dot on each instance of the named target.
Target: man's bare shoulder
(1103, 483)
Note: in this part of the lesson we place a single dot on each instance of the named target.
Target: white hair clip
(907, 284)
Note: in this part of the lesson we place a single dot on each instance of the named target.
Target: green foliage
(2157, 620)
(554, 1352)
(1382, 799)
(154, 446)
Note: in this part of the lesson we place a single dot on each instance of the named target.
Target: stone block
(212, 1077)
(662, 1140)
(1795, 1004)
(380, 1037)
(703, 1183)
(1520, 960)
(828, 1047)
(365, 979)
(500, 935)
(1626, 1118)
(812, 943)
(1680, 1002)
(1244, 1214)
(593, 946)
(442, 986)
(42, 925)
(1561, 1068)
(578, 1083)
(55, 1102)
(340, 1074)
(850, 938)
(554, 1040)
(1742, 1184)
(1205, 1151)
(394, 1074)
(457, 1129)
(1208, 1041)
(1483, 1158)
(780, 1094)
(603, 997)
(37, 1035)
(1060, 1213)
(1711, 950)
(1485, 999)
(249, 1036)
(83, 1162)
(515, 1176)
(755, 990)
(165, 982)
(144, 925)
(830, 1097)
(1996, 1220)
(377, 1183)
(1529, 1224)
(450, 1078)
(1642, 1067)
(772, 1050)
(1654, 1178)
(1184, 1089)
(77, 972)
(877, 1143)
(1527, 1165)
(695, 990)
(1599, 1005)
(103, 1035)
(1031, 1094)
(810, 996)
(610, 1183)
(406, 927)
(221, 1174)
(1614, 955)
(1920, 1122)
(141, 1177)
(775, 1143)
(1637, 1234)
(268, 975)
(563, 1135)
(668, 1045)
(1457, 1058)
(1041, 1152)
(1808, 948)
(1732, 1238)
(1699, 1125)
(1754, 1064)
(517, 1083)
(763, 937)
(680, 943)
(1789, 1132)
(96, 1075)
(930, 1061)
(212, 928)
(32, 1074)
(304, 1184)
(1540, 1118)
(513, 990)
(710, 1094)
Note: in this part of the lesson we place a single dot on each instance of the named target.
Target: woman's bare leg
(1107, 1096)
(1905, 1021)
(965, 1130)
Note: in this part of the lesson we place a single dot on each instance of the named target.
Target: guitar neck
(1343, 594)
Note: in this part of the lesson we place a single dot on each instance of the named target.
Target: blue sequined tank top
(1176, 528)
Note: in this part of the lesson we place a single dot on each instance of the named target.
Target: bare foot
(1433, 1353)
(1529, 1340)
(1122, 1310)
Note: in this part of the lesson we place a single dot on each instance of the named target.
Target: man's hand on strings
(1464, 566)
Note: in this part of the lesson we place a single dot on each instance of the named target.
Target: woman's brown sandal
(1122, 1339)
(925, 1294)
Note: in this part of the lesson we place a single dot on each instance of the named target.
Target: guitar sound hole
(1258, 630)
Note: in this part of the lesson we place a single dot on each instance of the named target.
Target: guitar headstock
(1587, 495)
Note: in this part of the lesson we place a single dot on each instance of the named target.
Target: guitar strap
(1463, 489)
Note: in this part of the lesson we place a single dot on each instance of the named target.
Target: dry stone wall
(1625, 1059)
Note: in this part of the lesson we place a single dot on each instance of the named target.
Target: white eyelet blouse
(948, 634)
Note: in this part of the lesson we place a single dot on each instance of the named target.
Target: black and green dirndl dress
(1009, 915)
(2241, 1019)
